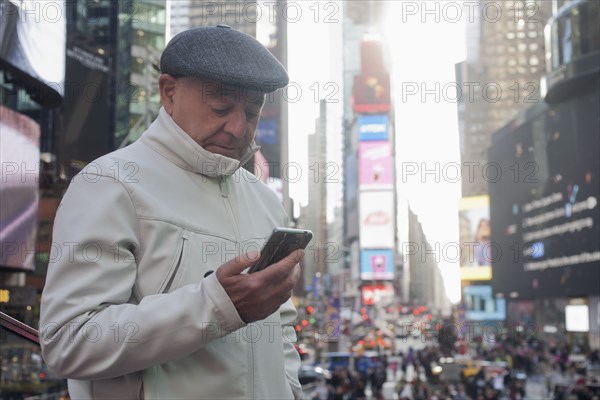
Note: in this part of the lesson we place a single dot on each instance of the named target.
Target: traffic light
(309, 314)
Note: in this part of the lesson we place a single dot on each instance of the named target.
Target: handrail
(19, 328)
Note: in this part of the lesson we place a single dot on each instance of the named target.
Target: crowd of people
(354, 383)
(496, 371)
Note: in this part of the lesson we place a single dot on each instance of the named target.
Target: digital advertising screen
(377, 264)
(19, 193)
(476, 249)
(481, 305)
(544, 202)
(267, 132)
(372, 127)
(268, 138)
(376, 213)
(577, 318)
(375, 293)
(371, 93)
(376, 165)
(32, 46)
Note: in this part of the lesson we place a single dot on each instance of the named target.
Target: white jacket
(129, 311)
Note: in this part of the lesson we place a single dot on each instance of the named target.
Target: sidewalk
(535, 387)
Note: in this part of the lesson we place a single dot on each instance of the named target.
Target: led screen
(377, 264)
(19, 194)
(32, 46)
(544, 201)
(377, 222)
(577, 318)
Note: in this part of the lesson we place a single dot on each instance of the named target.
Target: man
(131, 306)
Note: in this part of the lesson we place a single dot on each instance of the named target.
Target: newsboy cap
(225, 55)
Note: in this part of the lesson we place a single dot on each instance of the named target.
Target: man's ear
(168, 87)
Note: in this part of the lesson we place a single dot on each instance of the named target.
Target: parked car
(310, 374)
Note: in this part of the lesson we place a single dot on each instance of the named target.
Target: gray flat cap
(224, 55)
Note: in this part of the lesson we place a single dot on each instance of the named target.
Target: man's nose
(236, 124)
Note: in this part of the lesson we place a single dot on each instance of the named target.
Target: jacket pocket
(175, 270)
(140, 388)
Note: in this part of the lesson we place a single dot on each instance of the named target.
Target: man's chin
(224, 151)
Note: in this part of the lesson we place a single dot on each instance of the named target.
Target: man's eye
(221, 111)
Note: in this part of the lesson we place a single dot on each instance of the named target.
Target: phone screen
(280, 244)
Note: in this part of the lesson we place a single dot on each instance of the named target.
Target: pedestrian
(321, 391)
(147, 294)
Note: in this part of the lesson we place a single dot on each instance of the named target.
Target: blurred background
(444, 153)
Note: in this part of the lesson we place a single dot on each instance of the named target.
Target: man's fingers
(296, 256)
(281, 269)
(236, 265)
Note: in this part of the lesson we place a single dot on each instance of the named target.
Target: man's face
(219, 118)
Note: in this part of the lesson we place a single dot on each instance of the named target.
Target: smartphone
(280, 244)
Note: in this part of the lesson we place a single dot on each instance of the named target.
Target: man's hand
(258, 295)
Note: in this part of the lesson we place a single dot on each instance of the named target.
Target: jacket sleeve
(292, 358)
(91, 327)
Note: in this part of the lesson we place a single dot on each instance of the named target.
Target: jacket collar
(167, 138)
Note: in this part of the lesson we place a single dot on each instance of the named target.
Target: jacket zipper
(225, 195)
(223, 187)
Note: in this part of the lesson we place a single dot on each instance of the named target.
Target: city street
(535, 388)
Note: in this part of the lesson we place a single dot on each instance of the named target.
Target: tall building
(498, 80)
(358, 18)
(180, 16)
(314, 215)
(501, 77)
(369, 156)
(326, 255)
(147, 37)
(544, 215)
(241, 15)
(426, 286)
(116, 54)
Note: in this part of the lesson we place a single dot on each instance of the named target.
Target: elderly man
(131, 306)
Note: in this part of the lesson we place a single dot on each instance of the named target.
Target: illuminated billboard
(376, 165)
(371, 94)
(377, 264)
(577, 318)
(19, 194)
(376, 213)
(476, 249)
(32, 46)
(267, 137)
(372, 127)
(480, 304)
(372, 294)
(544, 206)
(267, 132)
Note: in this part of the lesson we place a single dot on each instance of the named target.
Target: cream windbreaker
(129, 309)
